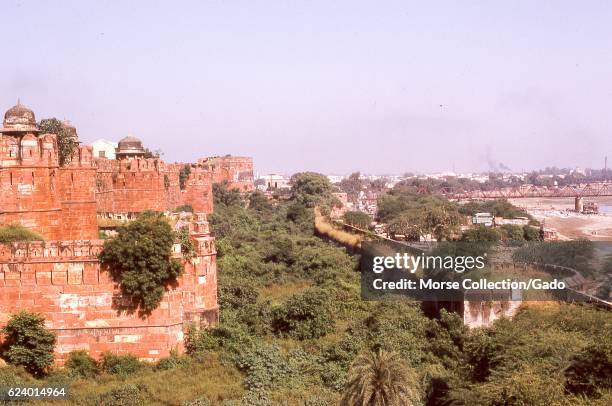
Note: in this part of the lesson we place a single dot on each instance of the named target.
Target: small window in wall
(102, 154)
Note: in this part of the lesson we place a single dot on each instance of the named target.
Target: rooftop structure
(130, 147)
(19, 119)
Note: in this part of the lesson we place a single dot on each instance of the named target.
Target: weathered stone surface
(61, 277)
(84, 312)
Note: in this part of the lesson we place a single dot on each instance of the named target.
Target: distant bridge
(531, 191)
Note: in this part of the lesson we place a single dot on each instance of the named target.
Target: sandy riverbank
(559, 214)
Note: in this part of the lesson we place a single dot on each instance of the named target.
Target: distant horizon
(390, 87)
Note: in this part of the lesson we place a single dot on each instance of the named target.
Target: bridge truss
(532, 191)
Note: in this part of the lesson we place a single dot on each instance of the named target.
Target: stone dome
(130, 146)
(19, 118)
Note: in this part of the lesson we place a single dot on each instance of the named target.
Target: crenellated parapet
(34, 251)
(62, 277)
(236, 171)
(126, 187)
(65, 282)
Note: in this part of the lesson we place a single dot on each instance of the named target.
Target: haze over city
(382, 87)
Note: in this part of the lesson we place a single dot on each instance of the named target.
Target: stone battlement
(85, 308)
(34, 251)
(61, 278)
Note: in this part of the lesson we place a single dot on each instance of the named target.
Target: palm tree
(381, 379)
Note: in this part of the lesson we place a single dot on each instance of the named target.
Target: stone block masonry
(63, 281)
(61, 277)
(56, 202)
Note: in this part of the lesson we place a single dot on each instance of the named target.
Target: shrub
(187, 245)
(12, 375)
(590, 371)
(223, 195)
(357, 219)
(173, 361)
(300, 214)
(531, 233)
(305, 315)
(259, 202)
(125, 395)
(120, 364)
(264, 366)
(183, 176)
(512, 232)
(237, 296)
(200, 341)
(16, 233)
(81, 364)
(28, 343)
(140, 259)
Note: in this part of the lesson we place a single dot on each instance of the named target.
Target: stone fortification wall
(63, 281)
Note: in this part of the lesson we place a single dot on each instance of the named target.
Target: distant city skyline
(334, 87)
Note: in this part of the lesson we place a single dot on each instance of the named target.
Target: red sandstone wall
(236, 171)
(77, 182)
(130, 186)
(135, 185)
(32, 187)
(63, 281)
(198, 191)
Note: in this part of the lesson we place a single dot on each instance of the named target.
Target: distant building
(485, 219)
(104, 149)
(130, 147)
(367, 201)
(517, 221)
(335, 178)
(274, 181)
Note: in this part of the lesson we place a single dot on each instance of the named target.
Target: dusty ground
(559, 214)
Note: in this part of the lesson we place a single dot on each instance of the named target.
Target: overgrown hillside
(293, 324)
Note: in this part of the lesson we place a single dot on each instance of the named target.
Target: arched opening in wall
(32, 178)
(71, 177)
(11, 177)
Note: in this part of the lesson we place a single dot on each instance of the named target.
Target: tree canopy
(311, 189)
(66, 144)
(28, 343)
(140, 259)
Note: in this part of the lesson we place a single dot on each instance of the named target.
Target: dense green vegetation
(11, 233)
(183, 176)
(294, 331)
(498, 208)
(140, 259)
(415, 216)
(357, 219)
(578, 254)
(27, 343)
(65, 143)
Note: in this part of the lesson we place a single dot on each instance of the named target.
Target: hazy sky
(332, 86)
